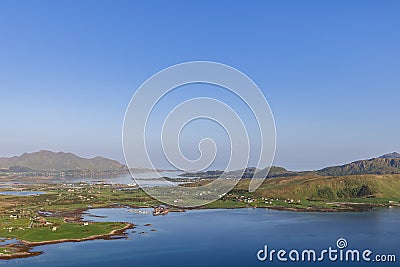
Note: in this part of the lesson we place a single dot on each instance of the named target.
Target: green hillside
(329, 187)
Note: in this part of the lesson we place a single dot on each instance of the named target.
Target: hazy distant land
(48, 164)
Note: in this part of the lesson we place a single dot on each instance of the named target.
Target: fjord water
(147, 179)
(224, 238)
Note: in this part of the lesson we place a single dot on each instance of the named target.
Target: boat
(160, 210)
(139, 211)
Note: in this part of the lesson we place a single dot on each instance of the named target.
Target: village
(270, 201)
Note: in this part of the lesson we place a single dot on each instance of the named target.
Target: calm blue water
(22, 193)
(225, 238)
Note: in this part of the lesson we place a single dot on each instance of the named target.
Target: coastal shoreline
(345, 207)
(24, 246)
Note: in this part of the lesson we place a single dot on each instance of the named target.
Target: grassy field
(63, 230)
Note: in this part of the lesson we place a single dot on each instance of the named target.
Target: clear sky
(329, 69)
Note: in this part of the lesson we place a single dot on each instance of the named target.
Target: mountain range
(386, 164)
(48, 161)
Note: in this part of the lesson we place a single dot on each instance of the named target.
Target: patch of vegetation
(19, 228)
(326, 193)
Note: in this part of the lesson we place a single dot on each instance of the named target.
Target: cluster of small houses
(246, 199)
(288, 200)
(41, 221)
(266, 200)
(291, 201)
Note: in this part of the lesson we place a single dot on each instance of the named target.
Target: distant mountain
(393, 155)
(249, 172)
(386, 164)
(47, 161)
(58, 162)
(275, 172)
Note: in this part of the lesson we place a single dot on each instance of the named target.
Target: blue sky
(329, 69)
